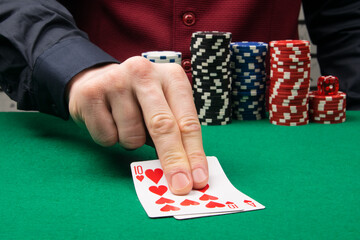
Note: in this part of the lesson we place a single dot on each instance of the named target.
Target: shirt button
(186, 64)
(188, 18)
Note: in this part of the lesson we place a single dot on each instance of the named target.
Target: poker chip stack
(289, 82)
(163, 56)
(327, 109)
(248, 79)
(211, 76)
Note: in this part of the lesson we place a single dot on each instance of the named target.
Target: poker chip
(327, 109)
(288, 94)
(211, 74)
(248, 79)
(163, 56)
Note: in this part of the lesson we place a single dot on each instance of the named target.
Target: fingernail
(199, 175)
(179, 181)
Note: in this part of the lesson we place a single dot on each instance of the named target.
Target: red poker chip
(288, 95)
(291, 60)
(289, 114)
(281, 76)
(326, 102)
(289, 43)
(287, 102)
(328, 117)
(340, 95)
(283, 90)
(327, 108)
(327, 112)
(290, 48)
(275, 73)
(289, 52)
(291, 66)
(280, 85)
(291, 109)
(287, 63)
(291, 70)
(283, 119)
(325, 121)
(289, 86)
(274, 122)
(293, 81)
(290, 56)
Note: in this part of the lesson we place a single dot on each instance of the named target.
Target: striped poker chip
(288, 123)
(163, 56)
(289, 43)
(288, 94)
(210, 60)
(248, 79)
(327, 109)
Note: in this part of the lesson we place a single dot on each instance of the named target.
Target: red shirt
(128, 28)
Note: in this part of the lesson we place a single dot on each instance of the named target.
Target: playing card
(219, 196)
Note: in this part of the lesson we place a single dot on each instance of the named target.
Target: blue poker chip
(252, 92)
(249, 45)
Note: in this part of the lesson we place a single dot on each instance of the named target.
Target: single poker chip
(211, 121)
(211, 35)
(292, 60)
(289, 43)
(161, 54)
(299, 48)
(290, 63)
(287, 52)
(304, 56)
(288, 86)
(290, 67)
(289, 121)
(285, 115)
(314, 95)
(288, 109)
(290, 70)
(288, 102)
(274, 122)
(289, 75)
(329, 122)
(327, 112)
(327, 107)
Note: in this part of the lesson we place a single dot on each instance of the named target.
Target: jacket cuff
(55, 67)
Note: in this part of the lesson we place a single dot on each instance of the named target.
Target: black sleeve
(41, 49)
(334, 26)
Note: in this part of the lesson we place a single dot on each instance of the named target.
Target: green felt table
(56, 183)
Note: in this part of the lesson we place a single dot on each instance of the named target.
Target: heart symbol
(251, 203)
(204, 189)
(140, 177)
(212, 204)
(163, 200)
(160, 190)
(168, 208)
(188, 202)
(206, 197)
(155, 175)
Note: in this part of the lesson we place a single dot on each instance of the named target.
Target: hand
(118, 102)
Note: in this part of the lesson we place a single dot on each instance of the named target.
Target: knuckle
(172, 161)
(162, 124)
(133, 142)
(189, 125)
(106, 140)
(139, 66)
